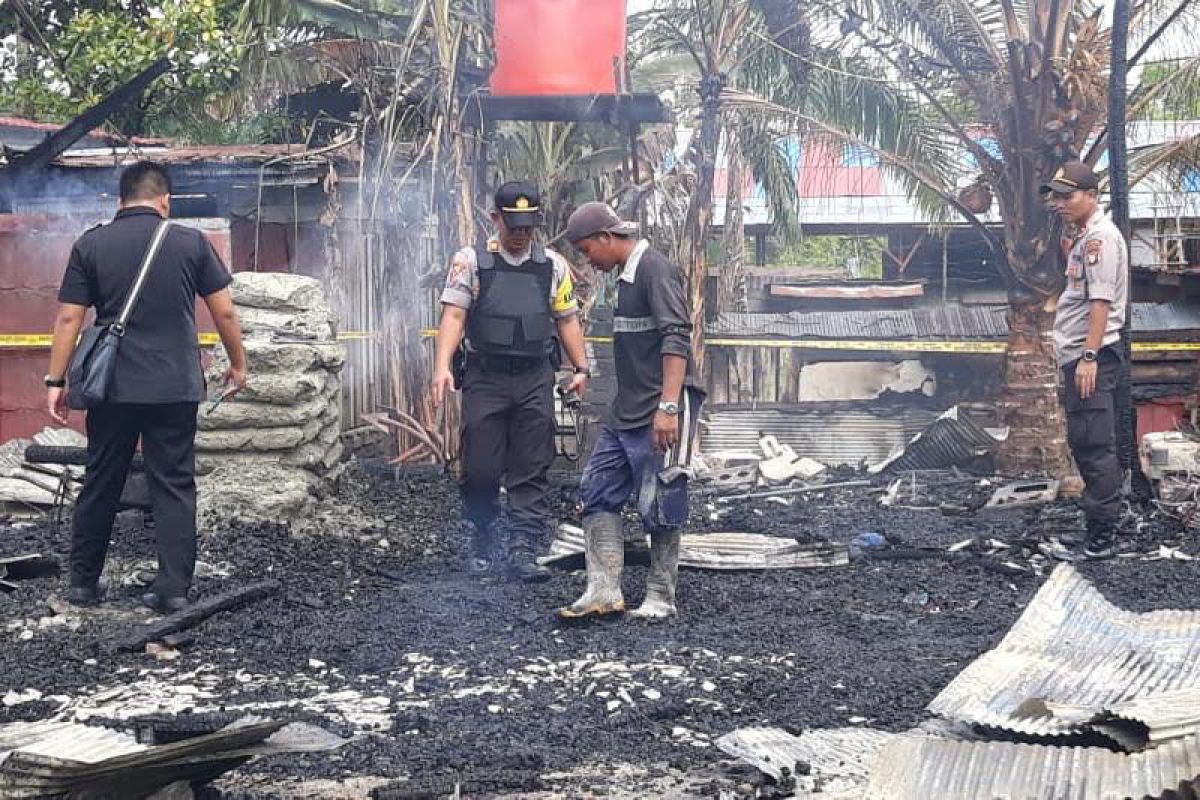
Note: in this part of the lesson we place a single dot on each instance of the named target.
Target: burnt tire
(55, 454)
(74, 456)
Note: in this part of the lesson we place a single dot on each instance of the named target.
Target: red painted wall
(1160, 414)
(33, 254)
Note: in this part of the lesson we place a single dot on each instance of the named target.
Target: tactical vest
(512, 315)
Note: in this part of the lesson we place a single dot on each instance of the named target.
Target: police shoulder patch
(1092, 249)
(493, 246)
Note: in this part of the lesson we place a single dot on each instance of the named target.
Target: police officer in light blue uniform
(1087, 334)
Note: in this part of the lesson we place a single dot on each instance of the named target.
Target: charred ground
(380, 634)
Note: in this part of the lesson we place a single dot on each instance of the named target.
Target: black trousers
(508, 432)
(1091, 435)
(168, 433)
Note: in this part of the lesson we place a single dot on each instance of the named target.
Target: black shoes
(1073, 538)
(1100, 542)
(164, 604)
(86, 596)
(522, 567)
(479, 566)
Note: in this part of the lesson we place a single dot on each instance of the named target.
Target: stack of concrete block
(273, 447)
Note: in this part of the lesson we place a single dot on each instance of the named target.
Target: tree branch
(734, 99)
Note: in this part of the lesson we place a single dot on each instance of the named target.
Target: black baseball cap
(595, 217)
(520, 204)
(1072, 176)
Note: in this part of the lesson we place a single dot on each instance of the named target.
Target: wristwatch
(668, 408)
(1090, 355)
(583, 371)
(54, 383)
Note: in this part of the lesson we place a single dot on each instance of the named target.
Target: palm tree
(709, 46)
(1034, 74)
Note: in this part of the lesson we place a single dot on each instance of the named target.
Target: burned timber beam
(196, 613)
(57, 143)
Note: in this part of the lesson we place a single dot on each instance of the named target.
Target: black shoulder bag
(95, 359)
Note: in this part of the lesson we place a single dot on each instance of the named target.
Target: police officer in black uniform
(513, 301)
(157, 383)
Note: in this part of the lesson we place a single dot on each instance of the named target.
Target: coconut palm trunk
(731, 295)
(1029, 403)
(699, 217)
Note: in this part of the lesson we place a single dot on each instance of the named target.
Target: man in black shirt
(645, 445)
(157, 382)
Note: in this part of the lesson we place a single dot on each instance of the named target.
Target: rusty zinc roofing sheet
(919, 768)
(1074, 661)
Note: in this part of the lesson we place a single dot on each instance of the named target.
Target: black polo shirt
(651, 318)
(159, 360)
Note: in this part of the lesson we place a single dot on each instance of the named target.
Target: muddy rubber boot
(662, 578)
(604, 551)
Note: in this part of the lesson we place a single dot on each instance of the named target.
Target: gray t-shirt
(1097, 269)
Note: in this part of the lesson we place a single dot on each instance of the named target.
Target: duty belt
(511, 364)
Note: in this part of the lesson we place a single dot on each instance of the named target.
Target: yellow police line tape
(42, 340)
(36, 340)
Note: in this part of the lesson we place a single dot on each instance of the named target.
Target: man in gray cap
(1087, 333)
(646, 443)
(508, 299)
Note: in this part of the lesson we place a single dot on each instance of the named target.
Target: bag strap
(160, 233)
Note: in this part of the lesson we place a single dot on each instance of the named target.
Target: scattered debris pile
(66, 759)
(953, 439)
(712, 551)
(36, 483)
(1171, 459)
(269, 450)
(1080, 699)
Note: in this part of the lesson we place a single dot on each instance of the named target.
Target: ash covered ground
(379, 634)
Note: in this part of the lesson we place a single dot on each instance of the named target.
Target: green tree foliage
(1174, 90)
(62, 58)
(826, 252)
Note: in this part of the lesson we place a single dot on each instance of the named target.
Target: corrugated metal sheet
(66, 740)
(912, 768)
(942, 322)
(939, 322)
(953, 438)
(831, 437)
(1165, 317)
(834, 753)
(1074, 659)
(119, 771)
(724, 551)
